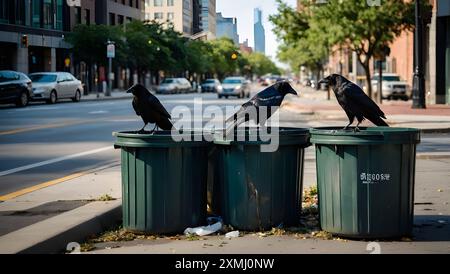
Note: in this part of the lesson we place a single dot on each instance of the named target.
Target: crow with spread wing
(271, 97)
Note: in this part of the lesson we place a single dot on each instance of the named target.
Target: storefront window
(36, 12)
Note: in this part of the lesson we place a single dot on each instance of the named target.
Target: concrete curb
(54, 234)
(105, 99)
(289, 108)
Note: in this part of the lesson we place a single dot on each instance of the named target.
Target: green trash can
(366, 181)
(163, 182)
(257, 190)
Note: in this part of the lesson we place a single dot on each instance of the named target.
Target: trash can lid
(186, 138)
(264, 136)
(366, 136)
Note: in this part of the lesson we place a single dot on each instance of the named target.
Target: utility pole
(111, 53)
(419, 80)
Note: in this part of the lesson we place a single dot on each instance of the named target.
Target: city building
(32, 35)
(118, 12)
(205, 17)
(32, 31)
(227, 27)
(259, 32)
(244, 47)
(180, 13)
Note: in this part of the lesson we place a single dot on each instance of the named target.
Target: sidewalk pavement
(313, 103)
(43, 222)
(115, 95)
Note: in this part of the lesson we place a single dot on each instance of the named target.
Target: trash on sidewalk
(233, 234)
(204, 230)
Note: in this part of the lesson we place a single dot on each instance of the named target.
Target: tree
(301, 46)
(364, 29)
(261, 65)
(221, 57)
(89, 43)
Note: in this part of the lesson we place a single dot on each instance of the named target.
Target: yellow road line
(41, 186)
(20, 130)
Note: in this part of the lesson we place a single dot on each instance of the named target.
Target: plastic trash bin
(256, 190)
(163, 182)
(366, 180)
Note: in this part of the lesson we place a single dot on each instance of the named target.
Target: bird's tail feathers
(379, 122)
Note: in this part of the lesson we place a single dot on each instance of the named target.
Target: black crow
(150, 109)
(354, 101)
(271, 97)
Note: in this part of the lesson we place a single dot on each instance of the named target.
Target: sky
(243, 11)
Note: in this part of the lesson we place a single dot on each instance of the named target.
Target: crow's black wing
(157, 106)
(361, 101)
(136, 106)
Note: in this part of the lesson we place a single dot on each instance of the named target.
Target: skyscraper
(259, 32)
(205, 17)
(227, 27)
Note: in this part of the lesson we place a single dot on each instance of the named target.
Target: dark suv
(15, 87)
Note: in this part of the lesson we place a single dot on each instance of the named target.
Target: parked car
(54, 86)
(174, 85)
(211, 85)
(272, 80)
(392, 86)
(15, 87)
(234, 86)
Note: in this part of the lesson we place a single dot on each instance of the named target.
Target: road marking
(40, 186)
(56, 160)
(27, 190)
(99, 112)
(21, 130)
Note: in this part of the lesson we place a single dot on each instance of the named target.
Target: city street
(43, 143)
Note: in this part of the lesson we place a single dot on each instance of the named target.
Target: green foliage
(310, 34)
(261, 65)
(302, 45)
(89, 43)
(151, 46)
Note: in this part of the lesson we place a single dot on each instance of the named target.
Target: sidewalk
(115, 95)
(45, 221)
(436, 118)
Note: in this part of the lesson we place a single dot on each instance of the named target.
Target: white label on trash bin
(375, 178)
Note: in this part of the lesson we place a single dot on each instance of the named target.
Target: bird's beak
(130, 90)
(324, 81)
(293, 92)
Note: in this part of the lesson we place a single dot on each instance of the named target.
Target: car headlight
(238, 87)
(220, 88)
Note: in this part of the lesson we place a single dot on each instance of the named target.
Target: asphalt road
(42, 143)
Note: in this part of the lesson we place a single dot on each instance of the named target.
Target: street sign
(111, 51)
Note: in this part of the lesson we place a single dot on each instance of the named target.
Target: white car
(392, 86)
(53, 86)
(174, 85)
(234, 86)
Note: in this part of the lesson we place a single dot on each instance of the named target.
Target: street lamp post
(419, 80)
(111, 53)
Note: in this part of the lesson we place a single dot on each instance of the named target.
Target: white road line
(56, 160)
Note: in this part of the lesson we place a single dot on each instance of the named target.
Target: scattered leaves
(86, 247)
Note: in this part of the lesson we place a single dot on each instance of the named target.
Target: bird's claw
(356, 129)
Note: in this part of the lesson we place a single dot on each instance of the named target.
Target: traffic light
(234, 55)
(24, 41)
